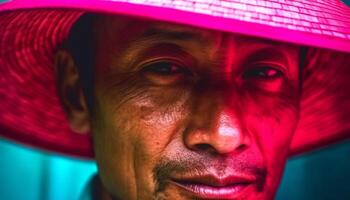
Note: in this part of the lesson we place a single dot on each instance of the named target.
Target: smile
(211, 187)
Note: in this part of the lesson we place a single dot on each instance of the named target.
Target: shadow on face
(183, 113)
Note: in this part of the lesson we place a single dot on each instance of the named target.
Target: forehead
(130, 38)
(127, 27)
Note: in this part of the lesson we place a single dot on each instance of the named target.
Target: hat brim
(324, 26)
(31, 112)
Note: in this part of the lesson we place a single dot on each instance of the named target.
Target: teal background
(30, 174)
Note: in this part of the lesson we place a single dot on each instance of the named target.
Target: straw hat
(30, 110)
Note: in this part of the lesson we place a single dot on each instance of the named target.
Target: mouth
(211, 187)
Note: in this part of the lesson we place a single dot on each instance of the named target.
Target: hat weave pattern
(320, 17)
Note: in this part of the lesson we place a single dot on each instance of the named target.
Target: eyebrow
(187, 34)
(257, 40)
(268, 53)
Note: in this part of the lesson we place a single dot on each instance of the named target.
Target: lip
(212, 187)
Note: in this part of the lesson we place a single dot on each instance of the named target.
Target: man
(183, 112)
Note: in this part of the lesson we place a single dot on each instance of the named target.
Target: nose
(221, 133)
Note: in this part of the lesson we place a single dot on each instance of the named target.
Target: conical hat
(30, 111)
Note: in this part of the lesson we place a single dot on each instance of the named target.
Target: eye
(164, 68)
(265, 78)
(263, 73)
(166, 73)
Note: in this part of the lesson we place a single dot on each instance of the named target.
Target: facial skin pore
(186, 113)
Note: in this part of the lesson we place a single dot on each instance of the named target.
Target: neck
(99, 192)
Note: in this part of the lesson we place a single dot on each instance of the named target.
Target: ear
(71, 93)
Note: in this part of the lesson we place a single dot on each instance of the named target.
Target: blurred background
(31, 174)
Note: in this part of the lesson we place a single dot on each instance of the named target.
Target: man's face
(186, 113)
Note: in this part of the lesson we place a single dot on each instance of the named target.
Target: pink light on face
(227, 127)
(229, 135)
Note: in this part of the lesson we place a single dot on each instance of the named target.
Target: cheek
(114, 149)
(161, 118)
(131, 134)
(271, 118)
(272, 130)
(271, 123)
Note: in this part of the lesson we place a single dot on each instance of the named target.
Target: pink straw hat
(30, 110)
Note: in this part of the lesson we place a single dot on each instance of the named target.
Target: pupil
(165, 68)
(271, 72)
(262, 73)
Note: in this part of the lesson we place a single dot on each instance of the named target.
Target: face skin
(185, 113)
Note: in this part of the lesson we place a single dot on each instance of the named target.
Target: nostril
(241, 147)
(203, 147)
(208, 147)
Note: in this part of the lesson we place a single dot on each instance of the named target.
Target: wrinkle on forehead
(144, 28)
(126, 37)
